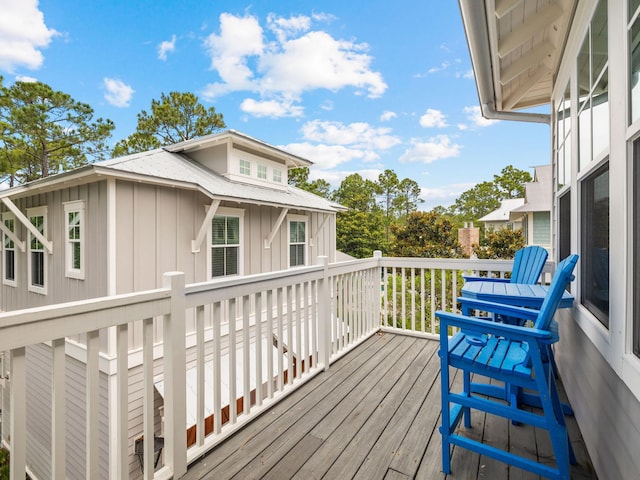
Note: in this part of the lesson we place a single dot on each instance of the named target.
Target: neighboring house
(582, 59)
(213, 206)
(210, 207)
(535, 214)
(499, 218)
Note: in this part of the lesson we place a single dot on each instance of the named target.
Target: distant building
(535, 214)
(500, 217)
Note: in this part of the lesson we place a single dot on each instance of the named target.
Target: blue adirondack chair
(528, 263)
(514, 355)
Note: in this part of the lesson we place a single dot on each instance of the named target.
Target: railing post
(324, 315)
(377, 290)
(174, 376)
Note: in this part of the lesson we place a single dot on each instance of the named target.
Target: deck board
(373, 415)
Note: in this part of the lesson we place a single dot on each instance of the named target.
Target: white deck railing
(287, 326)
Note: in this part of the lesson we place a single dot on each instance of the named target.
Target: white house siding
(39, 393)
(600, 372)
(605, 408)
(61, 288)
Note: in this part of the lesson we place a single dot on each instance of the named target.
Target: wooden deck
(374, 415)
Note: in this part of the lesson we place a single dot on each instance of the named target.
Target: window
(593, 83)
(36, 258)
(563, 139)
(225, 245)
(277, 175)
(297, 243)
(595, 244)
(634, 61)
(74, 248)
(541, 228)
(245, 167)
(636, 247)
(262, 172)
(9, 257)
(564, 226)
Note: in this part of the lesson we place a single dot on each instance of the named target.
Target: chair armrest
(468, 278)
(499, 308)
(477, 326)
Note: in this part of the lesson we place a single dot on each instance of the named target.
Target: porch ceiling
(516, 47)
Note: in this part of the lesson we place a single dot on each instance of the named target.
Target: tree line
(44, 132)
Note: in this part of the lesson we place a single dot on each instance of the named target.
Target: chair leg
(445, 428)
(467, 391)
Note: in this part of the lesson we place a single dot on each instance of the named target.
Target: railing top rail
(75, 318)
(455, 263)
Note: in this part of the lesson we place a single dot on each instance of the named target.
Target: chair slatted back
(561, 279)
(528, 264)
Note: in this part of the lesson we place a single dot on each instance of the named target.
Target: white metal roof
(502, 214)
(175, 167)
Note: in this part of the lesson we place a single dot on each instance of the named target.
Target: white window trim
(266, 172)
(298, 218)
(226, 212)
(77, 273)
(14, 282)
(240, 167)
(37, 212)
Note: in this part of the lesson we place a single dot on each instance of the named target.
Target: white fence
(286, 327)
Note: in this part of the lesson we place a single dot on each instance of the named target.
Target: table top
(518, 294)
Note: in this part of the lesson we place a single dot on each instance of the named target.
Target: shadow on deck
(374, 415)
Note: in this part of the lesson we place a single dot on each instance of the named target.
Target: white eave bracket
(28, 225)
(19, 243)
(276, 227)
(206, 224)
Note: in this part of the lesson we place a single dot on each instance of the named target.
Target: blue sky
(352, 86)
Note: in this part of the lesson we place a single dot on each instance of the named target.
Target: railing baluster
(246, 355)
(233, 346)
(422, 302)
(147, 397)
(122, 408)
(93, 409)
(58, 424)
(258, 342)
(298, 291)
(216, 313)
(200, 375)
(18, 399)
(413, 299)
(279, 300)
(433, 301)
(290, 318)
(269, 344)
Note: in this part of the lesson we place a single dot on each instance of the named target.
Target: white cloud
(26, 79)
(165, 47)
(326, 156)
(433, 118)
(23, 34)
(357, 134)
(240, 38)
(297, 60)
(388, 115)
(434, 149)
(444, 195)
(475, 115)
(287, 27)
(118, 93)
(271, 108)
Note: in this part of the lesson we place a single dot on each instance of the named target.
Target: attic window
(245, 167)
(277, 175)
(262, 172)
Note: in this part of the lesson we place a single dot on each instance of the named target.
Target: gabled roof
(502, 214)
(164, 166)
(235, 138)
(539, 193)
(516, 47)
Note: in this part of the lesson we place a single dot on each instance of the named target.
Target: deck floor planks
(316, 429)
